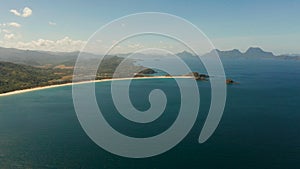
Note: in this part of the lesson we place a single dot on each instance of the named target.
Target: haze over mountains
(254, 52)
(40, 58)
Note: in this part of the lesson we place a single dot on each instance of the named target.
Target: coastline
(84, 82)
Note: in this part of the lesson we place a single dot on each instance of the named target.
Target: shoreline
(84, 82)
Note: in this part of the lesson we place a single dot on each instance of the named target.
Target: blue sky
(272, 25)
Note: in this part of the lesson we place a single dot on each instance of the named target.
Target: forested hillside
(15, 77)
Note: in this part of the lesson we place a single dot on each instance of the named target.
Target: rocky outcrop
(230, 81)
(198, 76)
(147, 71)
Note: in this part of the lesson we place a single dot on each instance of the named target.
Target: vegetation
(15, 77)
(148, 71)
(19, 76)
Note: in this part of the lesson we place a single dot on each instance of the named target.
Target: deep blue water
(260, 127)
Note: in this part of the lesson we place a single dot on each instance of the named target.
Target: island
(204, 77)
(147, 72)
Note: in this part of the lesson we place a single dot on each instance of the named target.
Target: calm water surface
(260, 127)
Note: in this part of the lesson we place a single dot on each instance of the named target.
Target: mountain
(34, 58)
(53, 59)
(229, 53)
(40, 58)
(252, 52)
(185, 54)
(257, 52)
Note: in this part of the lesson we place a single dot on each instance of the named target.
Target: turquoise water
(260, 127)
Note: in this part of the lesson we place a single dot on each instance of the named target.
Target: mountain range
(42, 58)
(254, 52)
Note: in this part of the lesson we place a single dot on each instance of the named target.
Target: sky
(60, 25)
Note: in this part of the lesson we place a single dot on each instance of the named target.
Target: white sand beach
(83, 82)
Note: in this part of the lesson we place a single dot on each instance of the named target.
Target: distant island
(252, 52)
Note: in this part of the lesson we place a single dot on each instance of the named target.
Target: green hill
(20, 76)
(16, 77)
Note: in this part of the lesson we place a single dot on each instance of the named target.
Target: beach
(83, 82)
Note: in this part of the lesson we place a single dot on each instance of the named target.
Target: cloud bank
(65, 44)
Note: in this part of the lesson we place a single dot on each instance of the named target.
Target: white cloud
(6, 31)
(11, 24)
(14, 24)
(25, 13)
(10, 36)
(135, 46)
(65, 44)
(52, 23)
(15, 12)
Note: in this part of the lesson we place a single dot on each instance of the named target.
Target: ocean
(259, 128)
